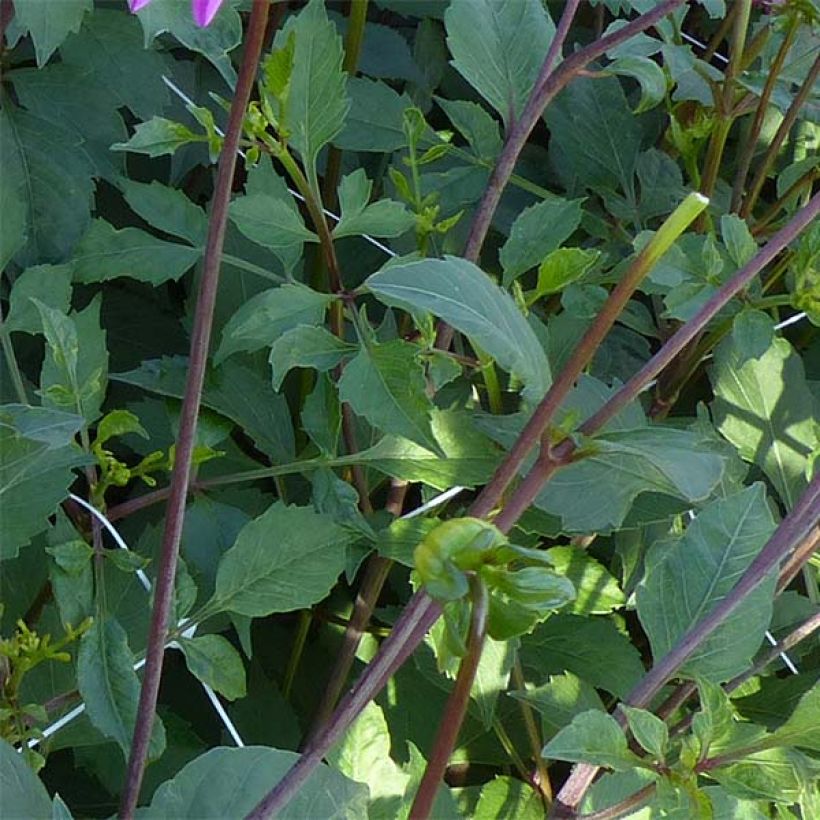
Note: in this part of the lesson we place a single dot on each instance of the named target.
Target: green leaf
(382, 218)
(561, 268)
(167, 209)
(649, 730)
(582, 150)
(59, 810)
(686, 578)
(48, 25)
(44, 168)
(476, 125)
(385, 384)
(317, 102)
(560, 700)
(596, 591)
(400, 539)
(109, 686)
(465, 297)
(215, 41)
(376, 117)
(492, 677)
(270, 221)
(536, 232)
(73, 97)
(499, 49)
(764, 407)
(306, 346)
(265, 317)
(110, 45)
(752, 334)
(737, 238)
(236, 391)
(288, 558)
(648, 73)
(24, 794)
(118, 423)
(591, 648)
(593, 737)
(321, 415)
(364, 756)
(230, 782)
(509, 798)
(648, 459)
(782, 775)
(157, 137)
(107, 253)
(213, 660)
(50, 284)
(803, 726)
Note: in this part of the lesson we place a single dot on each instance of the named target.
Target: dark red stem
(200, 342)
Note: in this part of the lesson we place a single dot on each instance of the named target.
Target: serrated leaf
(649, 730)
(107, 253)
(110, 44)
(738, 239)
(560, 700)
(269, 221)
(109, 686)
(213, 660)
(215, 41)
(499, 49)
(650, 459)
(764, 407)
(561, 268)
(777, 774)
(230, 782)
(537, 231)
(265, 317)
(686, 578)
(236, 391)
(74, 375)
(476, 125)
(376, 116)
(50, 284)
(649, 75)
(288, 558)
(364, 756)
(43, 166)
(157, 137)
(591, 648)
(167, 209)
(306, 346)
(592, 737)
(24, 794)
(317, 102)
(582, 151)
(385, 384)
(509, 798)
(803, 726)
(465, 297)
(383, 218)
(48, 25)
(596, 591)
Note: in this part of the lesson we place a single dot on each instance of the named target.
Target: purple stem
(200, 341)
(408, 632)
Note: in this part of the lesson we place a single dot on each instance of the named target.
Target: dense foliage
(391, 341)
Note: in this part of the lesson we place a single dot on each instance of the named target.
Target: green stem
(533, 733)
(296, 652)
(491, 382)
(11, 363)
(242, 264)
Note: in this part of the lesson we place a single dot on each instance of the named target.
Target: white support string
(188, 101)
(187, 633)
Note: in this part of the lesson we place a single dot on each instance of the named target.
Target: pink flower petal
(205, 10)
(136, 5)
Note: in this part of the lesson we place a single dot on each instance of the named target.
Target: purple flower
(203, 11)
